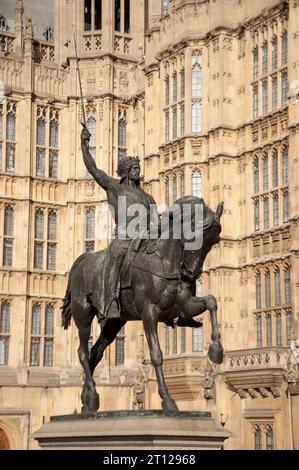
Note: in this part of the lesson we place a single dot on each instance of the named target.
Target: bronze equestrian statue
(156, 286)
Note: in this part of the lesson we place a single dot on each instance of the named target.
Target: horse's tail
(66, 313)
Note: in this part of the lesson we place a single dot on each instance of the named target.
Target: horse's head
(200, 231)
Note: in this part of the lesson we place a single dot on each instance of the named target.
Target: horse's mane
(209, 216)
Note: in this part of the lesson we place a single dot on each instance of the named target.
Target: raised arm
(100, 176)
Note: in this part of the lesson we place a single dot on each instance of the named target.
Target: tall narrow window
(284, 48)
(259, 332)
(258, 291)
(120, 348)
(265, 173)
(268, 289)
(278, 330)
(182, 82)
(277, 287)
(117, 12)
(274, 94)
(174, 87)
(196, 183)
(97, 14)
(284, 89)
(89, 229)
(269, 330)
(41, 146)
(122, 138)
(274, 53)
(38, 239)
(3, 23)
(127, 17)
(87, 15)
(51, 240)
(197, 340)
(4, 333)
(166, 330)
(196, 89)
(285, 207)
(265, 58)
(166, 83)
(49, 336)
(269, 438)
(257, 438)
(285, 166)
(35, 335)
(289, 327)
(175, 188)
(265, 96)
(166, 126)
(256, 215)
(167, 191)
(174, 123)
(1, 135)
(275, 209)
(275, 169)
(182, 120)
(255, 63)
(53, 150)
(183, 340)
(266, 213)
(11, 137)
(255, 101)
(287, 286)
(256, 175)
(196, 116)
(175, 341)
(48, 33)
(8, 235)
(91, 125)
(182, 185)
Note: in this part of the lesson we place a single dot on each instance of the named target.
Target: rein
(165, 276)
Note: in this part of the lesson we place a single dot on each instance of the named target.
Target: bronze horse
(157, 293)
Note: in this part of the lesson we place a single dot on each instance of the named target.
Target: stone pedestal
(133, 430)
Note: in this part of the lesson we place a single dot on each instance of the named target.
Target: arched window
(167, 191)
(89, 229)
(175, 341)
(268, 289)
(175, 188)
(120, 348)
(258, 291)
(35, 335)
(183, 340)
(182, 185)
(269, 438)
(287, 286)
(3, 23)
(196, 116)
(122, 138)
(196, 181)
(259, 332)
(275, 169)
(274, 53)
(4, 332)
(269, 330)
(277, 287)
(166, 340)
(278, 330)
(8, 221)
(255, 62)
(196, 85)
(257, 438)
(265, 173)
(256, 175)
(285, 166)
(49, 33)
(91, 126)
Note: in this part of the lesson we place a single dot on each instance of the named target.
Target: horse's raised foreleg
(150, 327)
(89, 396)
(193, 306)
(110, 328)
(215, 352)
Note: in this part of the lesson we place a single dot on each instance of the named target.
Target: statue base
(133, 430)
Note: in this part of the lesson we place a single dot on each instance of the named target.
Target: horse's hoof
(169, 405)
(215, 353)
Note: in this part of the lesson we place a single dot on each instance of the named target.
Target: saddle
(148, 246)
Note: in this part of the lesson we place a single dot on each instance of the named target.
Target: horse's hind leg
(89, 396)
(110, 328)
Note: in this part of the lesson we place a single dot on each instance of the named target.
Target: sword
(80, 84)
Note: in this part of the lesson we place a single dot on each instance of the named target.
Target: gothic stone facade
(206, 93)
